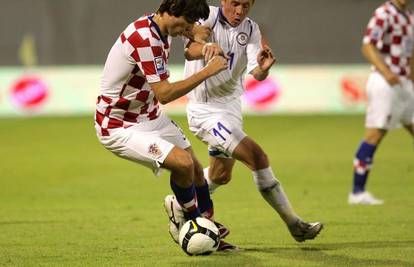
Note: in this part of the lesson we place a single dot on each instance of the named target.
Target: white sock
(212, 186)
(273, 193)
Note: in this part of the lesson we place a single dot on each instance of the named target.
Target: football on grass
(199, 237)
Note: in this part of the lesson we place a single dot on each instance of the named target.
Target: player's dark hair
(192, 10)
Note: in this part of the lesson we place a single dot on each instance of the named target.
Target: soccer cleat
(302, 231)
(364, 198)
(224, 246)
(223, 230)
(176, 216)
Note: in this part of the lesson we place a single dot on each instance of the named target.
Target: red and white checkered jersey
(391, 31)
(137, 58)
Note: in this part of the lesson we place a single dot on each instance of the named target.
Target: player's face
(236, 11)
(179, 26)
(401, 3)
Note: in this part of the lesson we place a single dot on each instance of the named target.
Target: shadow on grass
(303, 255)
(316, 253)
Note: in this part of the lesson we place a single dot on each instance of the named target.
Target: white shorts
(389, 106)
(147, 143)
(221, 129)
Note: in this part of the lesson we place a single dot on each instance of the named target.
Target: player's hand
(211, 50)
(265, 58)
(216, 65)
(391, 78)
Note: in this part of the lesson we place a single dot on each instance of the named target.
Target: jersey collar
(157, 28)
(222, 18)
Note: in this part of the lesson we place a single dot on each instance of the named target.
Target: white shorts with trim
(147, 143)
(389, 106)
(218, 126)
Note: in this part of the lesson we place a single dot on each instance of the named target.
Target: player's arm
(265, 60)
(198, 46)
(372, 54)
(412, 65)
(166, 92)
(199, 34)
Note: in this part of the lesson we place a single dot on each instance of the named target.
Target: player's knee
(222, 178)
(259, 159)
(187, 164)
(374, 136)
(184, 165)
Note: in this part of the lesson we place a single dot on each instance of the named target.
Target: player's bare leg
(374, 136)
(362, 165)
(184, 163)
(253, 156)
(182, 206)
(221, 170)
(410, 129)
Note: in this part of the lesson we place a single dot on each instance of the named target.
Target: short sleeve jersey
(391, 31)
(241, 44)
(138, 57)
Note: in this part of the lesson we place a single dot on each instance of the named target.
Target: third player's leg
(374, 136)
(410, 129)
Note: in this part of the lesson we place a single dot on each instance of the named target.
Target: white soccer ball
(199, 237)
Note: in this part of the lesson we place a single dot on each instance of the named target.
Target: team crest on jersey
(154, 150)
(160, 65)
(242, 38)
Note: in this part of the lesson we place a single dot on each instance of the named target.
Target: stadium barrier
(288, 89)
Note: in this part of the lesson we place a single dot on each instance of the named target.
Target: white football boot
(364, 198)
(302, 231)
(175, 214)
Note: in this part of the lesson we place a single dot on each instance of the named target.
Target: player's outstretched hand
(216, 65)
(265, 58)
(211, 50)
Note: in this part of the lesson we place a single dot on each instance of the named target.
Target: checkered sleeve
(152, 63)
(377, 27)
(145, 51)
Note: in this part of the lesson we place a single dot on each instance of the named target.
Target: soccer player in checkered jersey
(388, 46)
(128, 118)
(214, 110)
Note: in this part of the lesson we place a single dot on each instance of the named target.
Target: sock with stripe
(362, 165)
(186, 197)
(205, 204)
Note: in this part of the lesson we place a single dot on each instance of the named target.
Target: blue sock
(362, 165)
(205, 204)
(187, 199)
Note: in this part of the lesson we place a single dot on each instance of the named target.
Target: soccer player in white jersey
(214, 109)
(128, 119)
(388, 46)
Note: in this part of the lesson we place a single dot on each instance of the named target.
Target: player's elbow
(260, 77)
(163, 100)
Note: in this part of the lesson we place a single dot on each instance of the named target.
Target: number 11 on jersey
(221, 129)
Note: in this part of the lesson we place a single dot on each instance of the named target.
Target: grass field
(66, 201)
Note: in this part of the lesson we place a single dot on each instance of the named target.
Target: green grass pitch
(66, 201)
